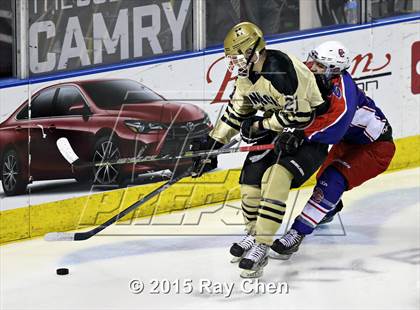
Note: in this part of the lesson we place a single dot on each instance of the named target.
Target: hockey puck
(62, 271)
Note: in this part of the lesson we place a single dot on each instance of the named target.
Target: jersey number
(291, 104)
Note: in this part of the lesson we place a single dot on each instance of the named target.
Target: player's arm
(330, 127)
(297, 93)
(290, 119)
(224, 130)
(237, 110)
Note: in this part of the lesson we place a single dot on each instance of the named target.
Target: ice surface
(368, 258)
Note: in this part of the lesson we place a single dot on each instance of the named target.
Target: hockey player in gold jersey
(285, 92)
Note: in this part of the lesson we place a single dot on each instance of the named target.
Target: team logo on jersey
(257, 100)
(318, 195)
(337, 91)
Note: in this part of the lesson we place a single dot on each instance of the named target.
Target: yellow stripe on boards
(82, 212)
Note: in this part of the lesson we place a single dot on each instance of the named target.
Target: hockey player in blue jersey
(362, 138)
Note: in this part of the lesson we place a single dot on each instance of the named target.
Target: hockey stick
(68, 153)
(64, 236)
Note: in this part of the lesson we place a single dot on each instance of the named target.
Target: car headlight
(142, 126)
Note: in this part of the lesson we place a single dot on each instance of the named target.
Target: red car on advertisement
(103, 120)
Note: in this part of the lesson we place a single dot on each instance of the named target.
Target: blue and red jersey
(352, 116)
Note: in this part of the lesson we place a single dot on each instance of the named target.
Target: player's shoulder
(345, 89)
(348, 82)
(278, 61)
(347, 78)
(344, 81)
(279, 69)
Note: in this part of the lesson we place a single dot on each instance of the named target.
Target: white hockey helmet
(332, 55)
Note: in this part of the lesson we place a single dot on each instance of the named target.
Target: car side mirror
(79, 109)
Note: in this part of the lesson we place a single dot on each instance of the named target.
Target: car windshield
(112, 94)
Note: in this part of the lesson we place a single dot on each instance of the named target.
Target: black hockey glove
(250, 134)
(289, 141)
(205, 164)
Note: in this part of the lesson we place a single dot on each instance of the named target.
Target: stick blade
(59, 236)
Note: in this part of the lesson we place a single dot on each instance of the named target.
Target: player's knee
(250, 194)
(276, 183)
(331, 177)
(250, 191)
(329, 187)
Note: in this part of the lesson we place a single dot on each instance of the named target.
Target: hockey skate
(238, 250)
(284, 247)
(330, 216)
(254, 261)
(327, 219)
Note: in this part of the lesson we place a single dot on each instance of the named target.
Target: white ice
(368, 258)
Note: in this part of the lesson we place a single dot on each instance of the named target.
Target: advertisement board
(385, 65)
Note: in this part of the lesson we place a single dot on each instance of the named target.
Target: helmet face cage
(240, 62)
(330, 65)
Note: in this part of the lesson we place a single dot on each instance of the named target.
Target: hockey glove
(289, 141)
(205, 164)
(250, 134)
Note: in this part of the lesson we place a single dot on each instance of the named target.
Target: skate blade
(256, 272)
(325, 222)
(249, 274)
(275, 255)
(235, 259)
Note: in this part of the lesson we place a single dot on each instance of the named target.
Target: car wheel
(12, 178)
(106, 150)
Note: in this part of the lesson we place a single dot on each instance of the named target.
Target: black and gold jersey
(285, 90)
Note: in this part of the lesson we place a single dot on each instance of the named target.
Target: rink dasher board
(87, 211)
(385, 66)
